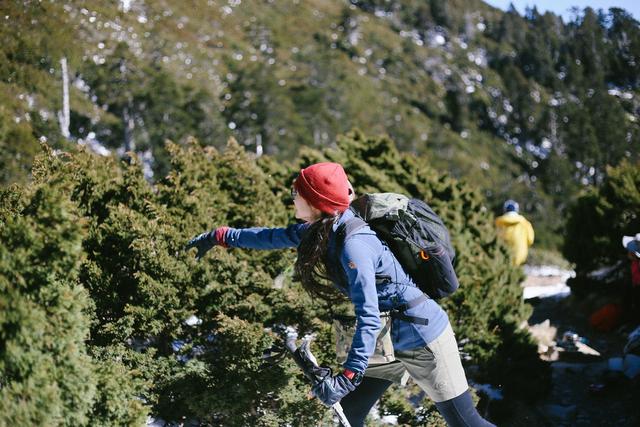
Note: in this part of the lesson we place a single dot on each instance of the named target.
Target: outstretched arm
(251, 238)
(530, 234)
(266, 238)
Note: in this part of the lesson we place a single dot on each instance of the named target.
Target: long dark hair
(313, 267)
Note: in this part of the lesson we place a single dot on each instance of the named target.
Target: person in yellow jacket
(516, 232)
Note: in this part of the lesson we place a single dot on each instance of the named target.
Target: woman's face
(304, 210)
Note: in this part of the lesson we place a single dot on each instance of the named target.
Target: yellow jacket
(517, 233)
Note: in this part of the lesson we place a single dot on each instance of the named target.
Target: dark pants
(458, 412)
(359, 402)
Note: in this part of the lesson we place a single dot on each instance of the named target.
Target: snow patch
(603, 272)
(384, 419)
(354, 37)
(125, 5)
(94, 145)
(560, 290)
(620, 94)
(193, 320)
(382, 14)
(155, 422)
(390, 419)
(557, 288)
(548, 270)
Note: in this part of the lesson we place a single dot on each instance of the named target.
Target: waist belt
(398, 312)
(395, 313)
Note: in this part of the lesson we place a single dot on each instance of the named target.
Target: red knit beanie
(325, 186)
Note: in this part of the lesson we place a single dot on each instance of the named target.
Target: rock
(544, 334)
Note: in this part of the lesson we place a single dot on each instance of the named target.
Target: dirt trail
(573, 400)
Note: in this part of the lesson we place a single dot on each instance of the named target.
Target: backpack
(415, 234)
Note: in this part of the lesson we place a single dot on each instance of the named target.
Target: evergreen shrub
(600, 217)
(97, 289)
(47, 373)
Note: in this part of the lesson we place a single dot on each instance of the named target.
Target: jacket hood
(510, 219)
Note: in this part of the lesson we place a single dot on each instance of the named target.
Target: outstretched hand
(205, 241)
(331, 389)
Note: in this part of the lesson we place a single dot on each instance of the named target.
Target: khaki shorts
(436, 368)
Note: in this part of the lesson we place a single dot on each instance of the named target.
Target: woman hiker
(424, 349)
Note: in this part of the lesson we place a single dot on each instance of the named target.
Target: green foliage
(91, 244)
(601, 216)
(34, 37)
(45, 372)
(47, 375)
(227, 384)
(394, 403)
(426, 413)
(118, 390)
(137, 93)
(523, 107)
(17, 149)
(143, 286)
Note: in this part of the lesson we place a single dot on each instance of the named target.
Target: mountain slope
(523, 107)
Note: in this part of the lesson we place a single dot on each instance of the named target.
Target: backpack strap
(399, 312)
(348, 228)
(343, 231)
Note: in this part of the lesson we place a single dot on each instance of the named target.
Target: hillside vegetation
(98, 295)
(528, 107)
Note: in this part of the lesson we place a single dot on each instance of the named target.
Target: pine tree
(601, 216)
(624, 34)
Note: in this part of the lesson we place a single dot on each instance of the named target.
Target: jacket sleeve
(530, 234)
(266, 238)
(359, 262)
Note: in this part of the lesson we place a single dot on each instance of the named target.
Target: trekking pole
(305, 360)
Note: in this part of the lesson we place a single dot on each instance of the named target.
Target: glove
(331, 389)
(208, 240)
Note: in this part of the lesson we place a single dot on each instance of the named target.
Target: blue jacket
(363, 257)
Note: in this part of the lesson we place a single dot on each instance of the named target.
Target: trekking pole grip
(290, 344)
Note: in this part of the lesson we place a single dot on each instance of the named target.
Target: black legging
(459, 411)
(359, 402)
